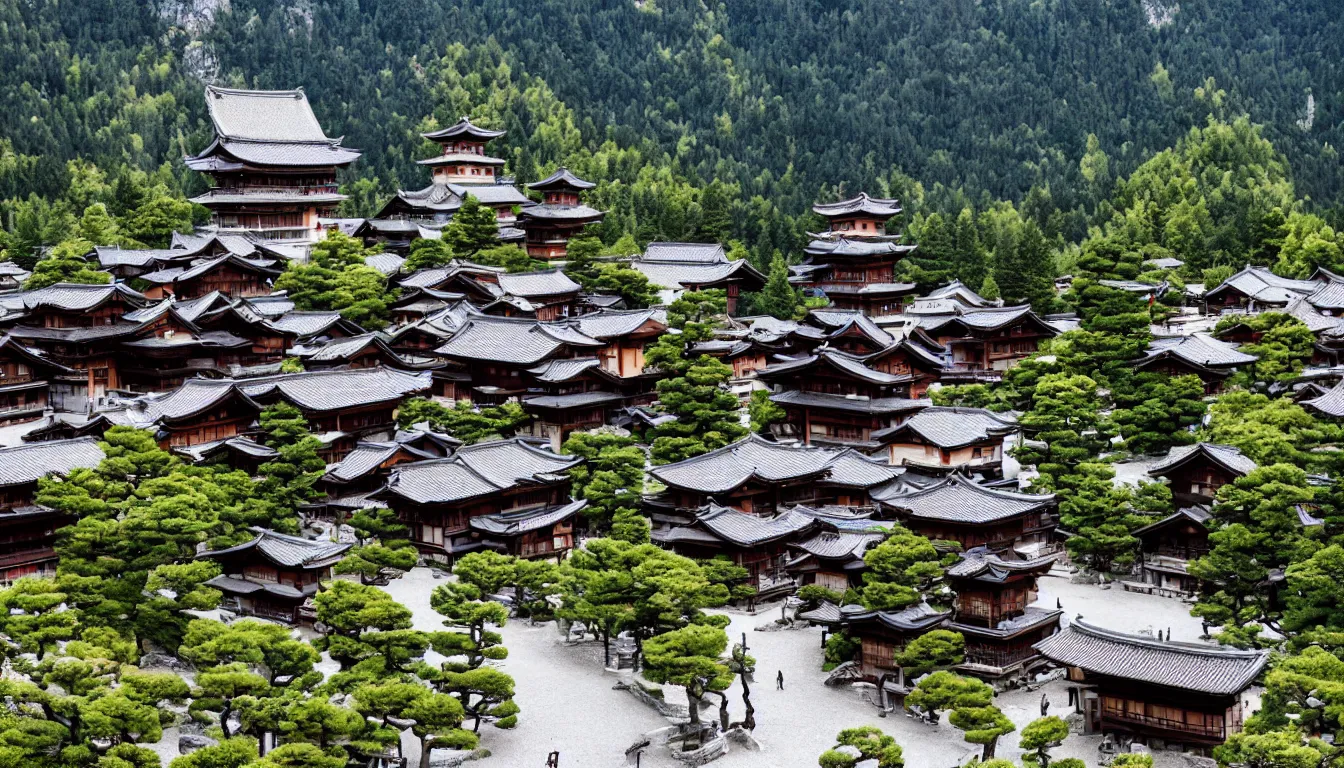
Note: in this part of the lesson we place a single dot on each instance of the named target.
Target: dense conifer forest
(699, 120)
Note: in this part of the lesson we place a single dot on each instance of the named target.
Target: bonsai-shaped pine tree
(971, 705)
(853, 745)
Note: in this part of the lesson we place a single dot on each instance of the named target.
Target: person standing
(779, 680)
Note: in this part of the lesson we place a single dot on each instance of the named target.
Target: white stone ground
(568, 703)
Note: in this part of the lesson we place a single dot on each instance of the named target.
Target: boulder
(190, 742)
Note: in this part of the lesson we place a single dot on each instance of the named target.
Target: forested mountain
(700, 120)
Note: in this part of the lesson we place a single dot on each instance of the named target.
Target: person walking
(779, 680)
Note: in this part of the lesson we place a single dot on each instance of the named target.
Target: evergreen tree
(66, 264)
(474, 228)
(779, 298)
(289, 481)
(426, 253)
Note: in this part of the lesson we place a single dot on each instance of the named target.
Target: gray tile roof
(574, 400)
(555, 371)
(837, 361)
(219, 197)
(1227, 456)
(611, 323)
(303, 324)
(470, 158)
(1329, 296)
(1198, 349)
(287, 551)
(1262, 285)
(755, 458)
(464, 129)
(365, 458)
(74, 297)
(980, 563)
(843, 247)
(27, 463)
(744, 530)
(986, 319)
(385, 263)
(876, 405)
(1182, 666)
(951, 427)
(247, 445)
(840, 546)
(194, 396)
(509, 340)
(560, 213)
(346, 348)
(960, 500)
(338, 389)
(1329, 404)
(707, 253)
(478, 470)
(916, 618)
(561, 179)
(518, 523)
(871, 206)
(1311, 317)
(672, 275)
(549, 282)
(280, 116)
(316, 154)
(274, 305)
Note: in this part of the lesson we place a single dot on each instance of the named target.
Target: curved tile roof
(960, 500)
(754, 458)
(1184, 666)
(871, 206)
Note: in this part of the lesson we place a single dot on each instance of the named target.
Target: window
(431, 534)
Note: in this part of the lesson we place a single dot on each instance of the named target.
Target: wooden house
(274, 576)
(994, 612)
(25, 382)
(939, 440)
(854, 262)
(1196, 472)
(988, 339)
(758, 544)
(28, 530)
(1169, 545)
(1198, 354)
(674, 268)
(1162, 693)
(762, 477)
(961, 510)
(507, 495)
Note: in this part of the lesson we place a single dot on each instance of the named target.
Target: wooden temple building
(506, 495)
(461, 169)
(758, 544)
(1196, 472)
(560, 217)
(834, 398)
(275, 575)
(961, 510)
(1198, 354)
(940, 440)
(673, 268)
(28, 530)
(994, 612)
(987, 339)
(853, 263)
(1161, 693)
(272, 168)
(1167, 547)
(762, 478)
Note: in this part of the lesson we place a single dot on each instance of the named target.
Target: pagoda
(853, 263)
(461, 168)
(272, 169)
(560, 216)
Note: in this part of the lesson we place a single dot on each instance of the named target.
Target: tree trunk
(426, 744)
(224, 718)
(987, 753)
(606, 646)
(693, 703)
(723, 710)
(748, 720)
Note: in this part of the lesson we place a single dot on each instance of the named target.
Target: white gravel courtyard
(568, 703)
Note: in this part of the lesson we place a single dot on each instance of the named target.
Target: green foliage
(778, 298)
(1158, 410)
(871, 743)
(1065, 415)
(764, 412)
(932, 650)
(464, 421)
(337, 279)
(1257, 531)
(970, 702)
(66, 264)
(1039, 737)
(611, 478)
(1268, 430)
(427, 252)
(1284, 346)
(474, 228)
(691, 657)
(901, 571)
(289, 480)
(840, 648)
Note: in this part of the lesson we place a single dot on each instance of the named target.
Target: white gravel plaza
(568, 703)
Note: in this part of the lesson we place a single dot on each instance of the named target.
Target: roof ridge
(1223, 651)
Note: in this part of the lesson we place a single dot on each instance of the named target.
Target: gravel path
(568, 703)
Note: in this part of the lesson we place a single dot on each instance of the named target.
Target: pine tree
(970, 260)
(426, 253)
(474, 228)
(66, 264)
(778, 298)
